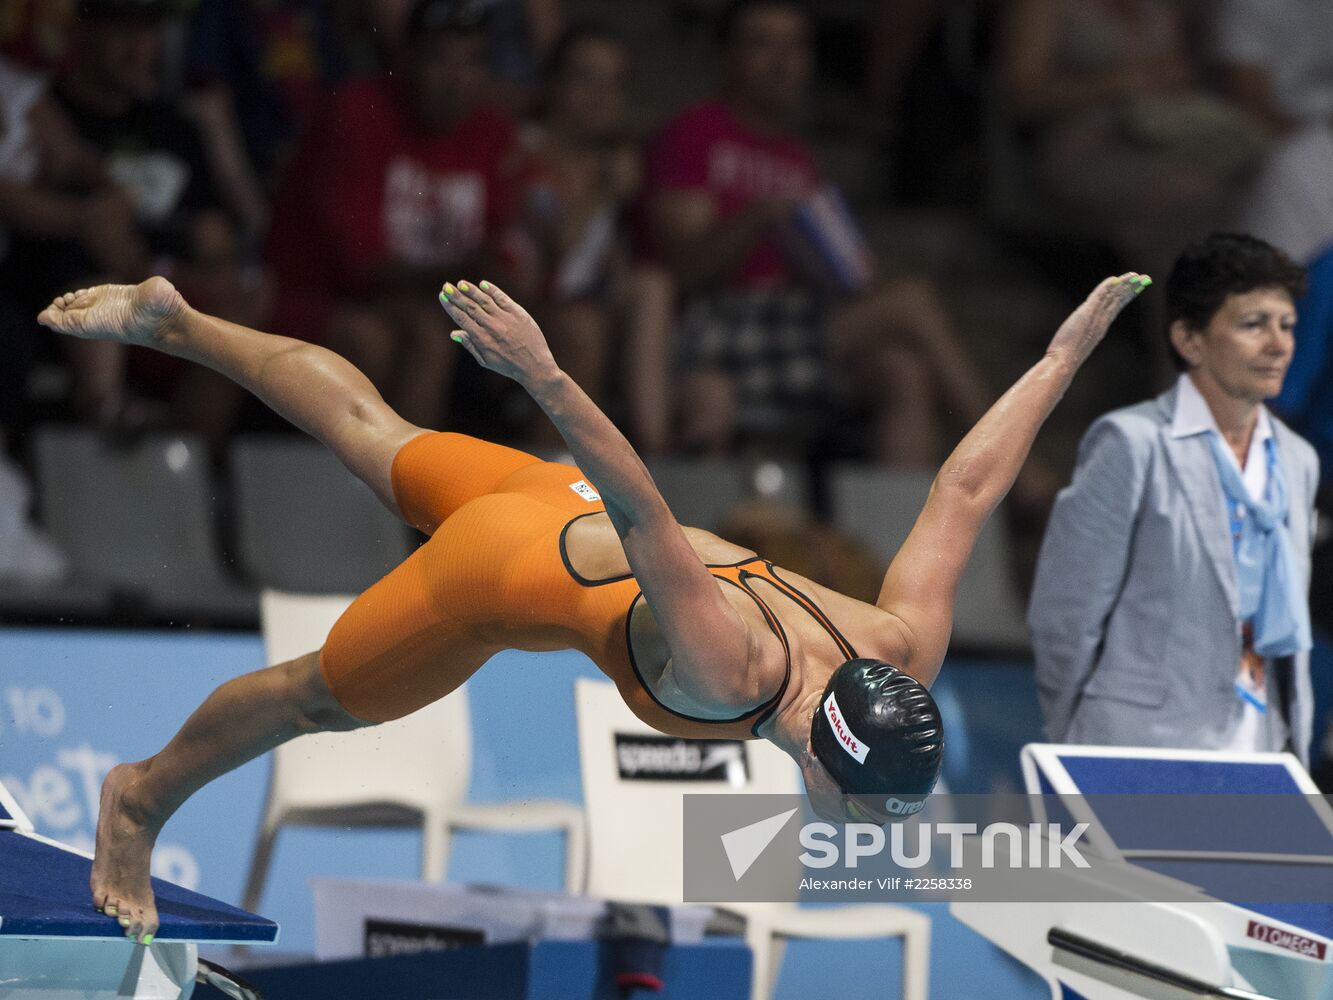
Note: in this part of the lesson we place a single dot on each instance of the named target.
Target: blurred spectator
(372, 32)
(1123, 132)
(37, 33)
(520, 36)
(1306, 401)
(402, 179)
(523, 35)
(155, 158)
(730, 186)
(581, 172)
(254, 72)
(41, 159)
(1171, 606)
(899, 33)
(1278, 65)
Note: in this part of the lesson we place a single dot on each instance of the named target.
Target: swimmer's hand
(498, 332)
(1087, 325)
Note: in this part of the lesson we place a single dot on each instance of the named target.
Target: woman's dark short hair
(1224, 264)
(734, 11)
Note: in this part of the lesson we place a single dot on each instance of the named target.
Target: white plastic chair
(635, 831)
(410, 772)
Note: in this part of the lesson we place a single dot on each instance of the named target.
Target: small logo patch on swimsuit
(584, 490)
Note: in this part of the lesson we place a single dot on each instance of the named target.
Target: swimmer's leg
(245, 717)
(317, 390)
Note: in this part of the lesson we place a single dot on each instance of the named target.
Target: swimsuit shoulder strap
(740, 574)
(807, 603)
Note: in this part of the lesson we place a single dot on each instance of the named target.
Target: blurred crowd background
(815, 234)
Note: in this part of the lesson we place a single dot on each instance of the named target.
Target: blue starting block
(53, 943)
(1223, 946)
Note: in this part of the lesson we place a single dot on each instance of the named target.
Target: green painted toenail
(148, 939)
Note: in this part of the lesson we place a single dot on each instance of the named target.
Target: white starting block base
(56, 969)
(1162, 951)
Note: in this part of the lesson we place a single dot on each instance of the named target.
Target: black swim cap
(878, 732)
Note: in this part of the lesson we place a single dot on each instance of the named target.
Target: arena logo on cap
(1279, 938)
(584, 490)
(903, 807)
(846, 738)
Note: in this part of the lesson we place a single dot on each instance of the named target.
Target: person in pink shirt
(732, 190)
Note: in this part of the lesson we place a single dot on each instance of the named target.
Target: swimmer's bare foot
(149, 313)
(1087, 325)
(120, 879)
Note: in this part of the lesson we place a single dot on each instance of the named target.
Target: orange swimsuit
(494, 575)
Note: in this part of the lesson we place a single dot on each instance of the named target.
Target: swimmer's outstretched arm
(713, 651)
(919, 587)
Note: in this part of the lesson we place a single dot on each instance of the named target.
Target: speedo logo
(846, 739)
(666, 758)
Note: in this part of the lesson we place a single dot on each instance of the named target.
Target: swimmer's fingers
(505, 340)
(464, 338)
(502, 300)
(478, 296)
(461, 310)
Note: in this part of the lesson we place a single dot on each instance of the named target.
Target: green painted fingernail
(148, 939)
(457, 338)
(485, 286)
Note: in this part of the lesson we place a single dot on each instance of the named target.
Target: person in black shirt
(156, 156)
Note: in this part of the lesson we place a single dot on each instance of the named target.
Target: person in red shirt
(401, 176)
(728, 183)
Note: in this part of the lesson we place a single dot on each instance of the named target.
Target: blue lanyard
(1237, 509)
